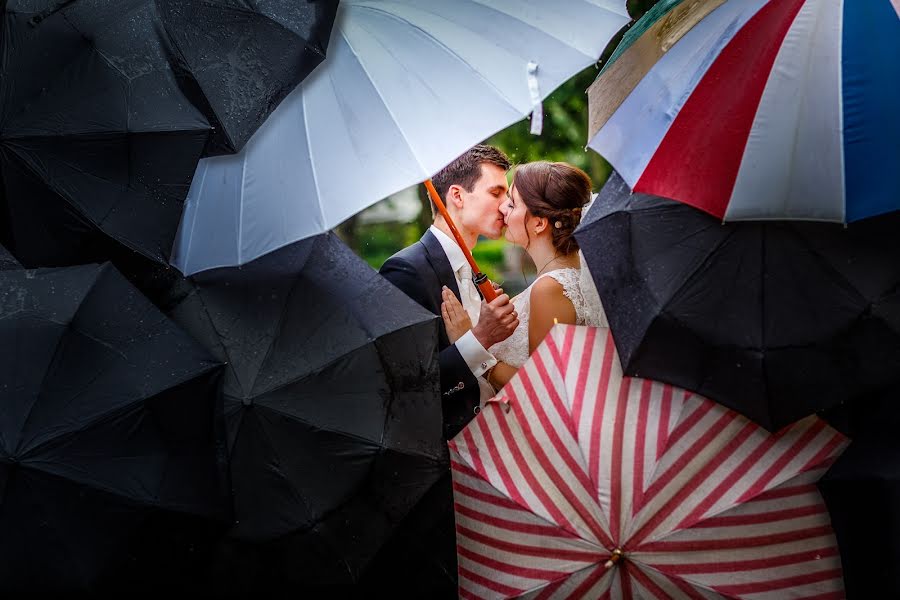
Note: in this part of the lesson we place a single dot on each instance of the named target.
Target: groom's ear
(454, 196)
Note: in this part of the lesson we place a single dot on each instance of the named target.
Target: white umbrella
(407, 86)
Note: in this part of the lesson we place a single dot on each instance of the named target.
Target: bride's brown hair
(557, 191)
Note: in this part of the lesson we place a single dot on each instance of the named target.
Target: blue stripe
(870, 68)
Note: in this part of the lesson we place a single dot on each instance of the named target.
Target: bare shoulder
(547, 289)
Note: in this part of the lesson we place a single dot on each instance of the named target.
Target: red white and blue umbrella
(758, 109)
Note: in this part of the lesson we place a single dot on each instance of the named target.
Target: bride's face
(515, 217)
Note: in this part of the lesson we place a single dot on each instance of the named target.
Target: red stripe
(733, 477)
(488, 583)
(785, 459)
(547, 466)
(568, 342)
(637, 478)
(665, 415)
(703, 408)
(555, 399)
(698, 159)
(686, 588)
(550, 589)
(493, 450)
(785, 492)
(525, 469)
(615, 492)
(625, 580)
(464, 593)
(780, 584)
(601, 398)
(529, 550)
(560, 447)
(739, 566)
(585, 586)
(514, 526)
(555, 353)
(648, 584)
(760, 518)
(825, 453)
(587, 353)
(494, 500)
(677, 468)
(497, 565)
(474, 455)
(735, 543)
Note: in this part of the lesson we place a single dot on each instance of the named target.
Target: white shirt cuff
(478, 359)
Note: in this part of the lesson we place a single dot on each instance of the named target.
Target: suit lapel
(437, 258)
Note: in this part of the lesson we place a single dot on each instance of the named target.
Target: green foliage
(564, 133)
(488, 254)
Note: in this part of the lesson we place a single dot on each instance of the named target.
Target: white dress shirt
(477, 358)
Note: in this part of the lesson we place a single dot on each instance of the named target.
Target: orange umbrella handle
(484, 284)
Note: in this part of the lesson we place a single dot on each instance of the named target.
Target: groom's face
(481, 207)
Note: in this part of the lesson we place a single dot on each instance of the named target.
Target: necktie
(468, 293)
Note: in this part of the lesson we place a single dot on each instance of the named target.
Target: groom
(472, 188)
(420, 559)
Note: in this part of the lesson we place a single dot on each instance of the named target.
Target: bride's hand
(456, 319)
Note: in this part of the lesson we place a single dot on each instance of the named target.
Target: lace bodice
(578, 289)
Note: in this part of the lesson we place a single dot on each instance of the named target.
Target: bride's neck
(547, 258)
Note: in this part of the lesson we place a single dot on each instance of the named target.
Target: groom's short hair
(465, 170)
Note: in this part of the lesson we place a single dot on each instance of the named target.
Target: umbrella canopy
(96, 140)
(331, 398)
(407, 87)
(757, 109)
(108, 412)
(7, 261)
(582, 483)
(869, 470)
(774, 320)
(237, 60)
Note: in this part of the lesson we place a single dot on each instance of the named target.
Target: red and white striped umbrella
(580, 482)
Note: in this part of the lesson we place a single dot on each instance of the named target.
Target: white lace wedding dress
(577, 286)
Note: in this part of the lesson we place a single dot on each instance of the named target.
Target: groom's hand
(496, 322)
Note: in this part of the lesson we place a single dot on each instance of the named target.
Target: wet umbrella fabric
(862, 491)
(331, 399)
(7, 260)
(94, 132)
(775, 320)
(108, 413)
(238, 59)
(582, 483)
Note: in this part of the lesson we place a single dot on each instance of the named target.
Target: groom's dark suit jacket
(420, 270)
(420, 557)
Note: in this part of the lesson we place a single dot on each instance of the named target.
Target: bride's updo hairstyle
(557, 191)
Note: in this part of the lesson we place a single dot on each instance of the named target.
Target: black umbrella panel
(108, 413)
(776, 320)
(96, 139)
(862, 491)
(7, 261)
(331, 397)
(238, 60)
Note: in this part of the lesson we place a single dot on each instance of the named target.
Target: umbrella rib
(257, 13)
(446, 48)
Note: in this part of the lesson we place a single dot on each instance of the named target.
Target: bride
(543, 208)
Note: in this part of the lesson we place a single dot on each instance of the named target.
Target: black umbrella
(7, 261)
(107, 105)
(238, 59)
(862, 491)
(94, 131)
(775, 320)
(332, 403)
(108, 415)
